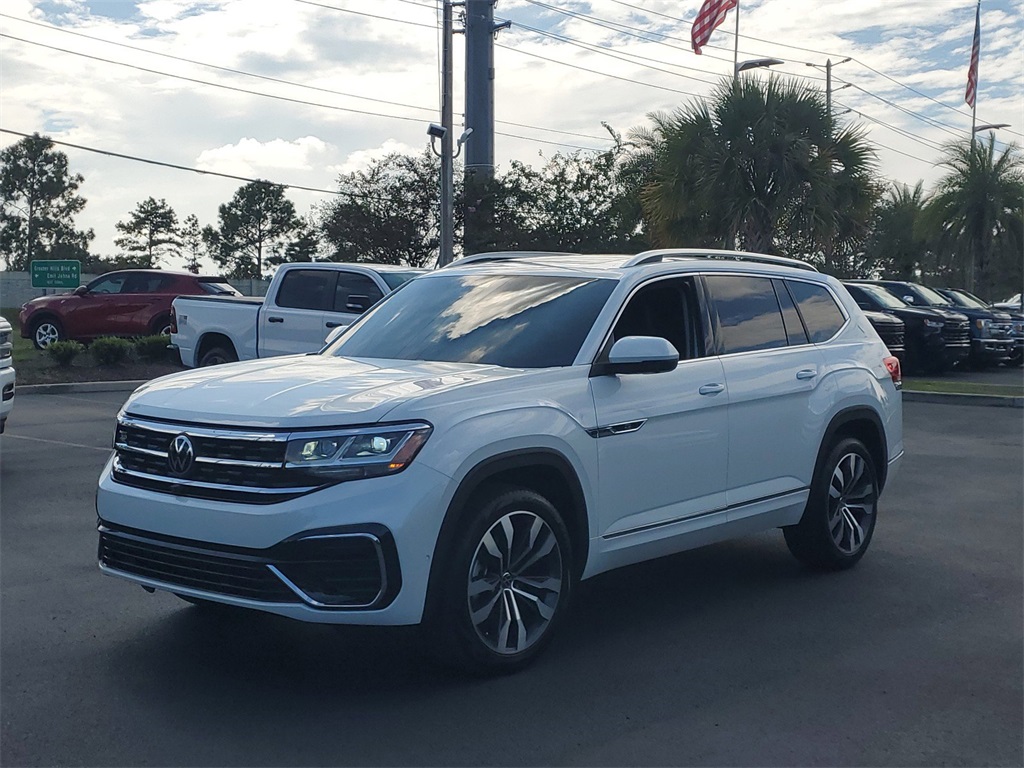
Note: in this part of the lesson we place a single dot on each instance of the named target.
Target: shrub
(109, 350)
(152, 349)
(64, 352)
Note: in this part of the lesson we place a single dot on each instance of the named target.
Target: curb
(80, 386)
(949, 398)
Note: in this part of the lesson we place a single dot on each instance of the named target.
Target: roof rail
(504, 256)
(651, 257)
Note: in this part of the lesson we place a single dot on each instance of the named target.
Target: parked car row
(942, 328)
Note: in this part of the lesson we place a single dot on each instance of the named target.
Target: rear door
(354, 293)
(771, 370)
(147, 298)
(661, 437)
(292, 321)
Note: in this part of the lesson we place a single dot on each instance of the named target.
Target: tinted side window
(107, 284)
(819, 310)
(795, 332)
(307, 289)
(667, 309)
(148, 284)
(355, 293)
(749, 316)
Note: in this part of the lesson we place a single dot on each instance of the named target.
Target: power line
(191, 170)
(368, 15)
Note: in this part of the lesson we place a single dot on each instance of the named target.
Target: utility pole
(447, 223)
(828, 87)
(479, 163)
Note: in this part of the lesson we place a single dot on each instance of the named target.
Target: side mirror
(909, 299)
(334, 334)
(81, 290)
(358, 304)
(639, 354)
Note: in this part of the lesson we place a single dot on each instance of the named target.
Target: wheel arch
(542, 470)
(864, 424)
(210, 340)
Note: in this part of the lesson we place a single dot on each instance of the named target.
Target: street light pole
(447, 222)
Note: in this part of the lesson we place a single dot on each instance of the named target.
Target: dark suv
(935, 341)
(131, 302)
(984, 350)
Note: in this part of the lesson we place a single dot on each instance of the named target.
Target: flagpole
(736, 47)
(977, 76)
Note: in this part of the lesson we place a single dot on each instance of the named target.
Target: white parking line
(56, 442)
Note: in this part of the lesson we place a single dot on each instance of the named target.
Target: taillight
(892, 365)
(174, 320)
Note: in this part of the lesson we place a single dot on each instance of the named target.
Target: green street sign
(56, 274)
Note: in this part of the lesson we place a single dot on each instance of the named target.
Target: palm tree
(755, 161)
(976, 207)
(898, 244)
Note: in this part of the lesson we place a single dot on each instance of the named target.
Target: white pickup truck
(304, 303)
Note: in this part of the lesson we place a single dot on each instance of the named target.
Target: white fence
(16, 288)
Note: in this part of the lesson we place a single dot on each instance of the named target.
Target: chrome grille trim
(181, 483)
(202, 459)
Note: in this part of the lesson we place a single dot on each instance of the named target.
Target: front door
(661, 437)
(292, 322)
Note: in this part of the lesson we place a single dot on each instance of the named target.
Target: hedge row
(110, 350)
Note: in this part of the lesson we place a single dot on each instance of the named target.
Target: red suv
(132, 302)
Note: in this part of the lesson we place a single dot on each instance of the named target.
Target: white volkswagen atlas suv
(495, 431)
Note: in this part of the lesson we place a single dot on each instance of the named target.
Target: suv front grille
(892, 335)
(956, 333)
(344, 568)
(227, 465)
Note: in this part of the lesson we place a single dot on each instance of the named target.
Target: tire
(842, 508)
(505, 584)
(161, 326)
(218, 355)
(46, 331)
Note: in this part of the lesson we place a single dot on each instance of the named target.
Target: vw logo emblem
(180, 456)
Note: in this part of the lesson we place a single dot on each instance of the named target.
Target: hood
(916, 313)
(45, 301)
(881, 318)
(300, 391)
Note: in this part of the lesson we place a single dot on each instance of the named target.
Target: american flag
(972, 73)
(710, 15)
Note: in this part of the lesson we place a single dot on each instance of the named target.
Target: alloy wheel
(46, 333)
(853, 498)
(515, 582)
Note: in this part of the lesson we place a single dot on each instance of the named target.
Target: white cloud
(249, 157)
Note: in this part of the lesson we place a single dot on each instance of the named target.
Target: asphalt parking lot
(730, 655)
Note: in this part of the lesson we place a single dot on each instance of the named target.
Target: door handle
(334, 325)
(807, 373)
(711, 389)
(275, 319)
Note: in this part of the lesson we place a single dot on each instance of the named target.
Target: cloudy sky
(297, 91)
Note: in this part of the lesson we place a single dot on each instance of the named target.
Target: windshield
(934, 298)
(965, 299)
(515, 321)
(395, 279)
(883, 297)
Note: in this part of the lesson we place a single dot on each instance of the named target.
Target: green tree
(39, 202)
(975, 212)
(750, 165)
(192, 245)
(576, 202)
(258, 222)
(388, 213)
(150, 234)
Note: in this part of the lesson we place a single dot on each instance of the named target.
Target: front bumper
(7, 387)
(353, 553)
(992, 349)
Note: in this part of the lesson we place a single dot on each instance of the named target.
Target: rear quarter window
(822, 316)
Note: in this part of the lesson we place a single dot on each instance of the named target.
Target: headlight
(350, 454)
(933, 323)
(982, 325)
